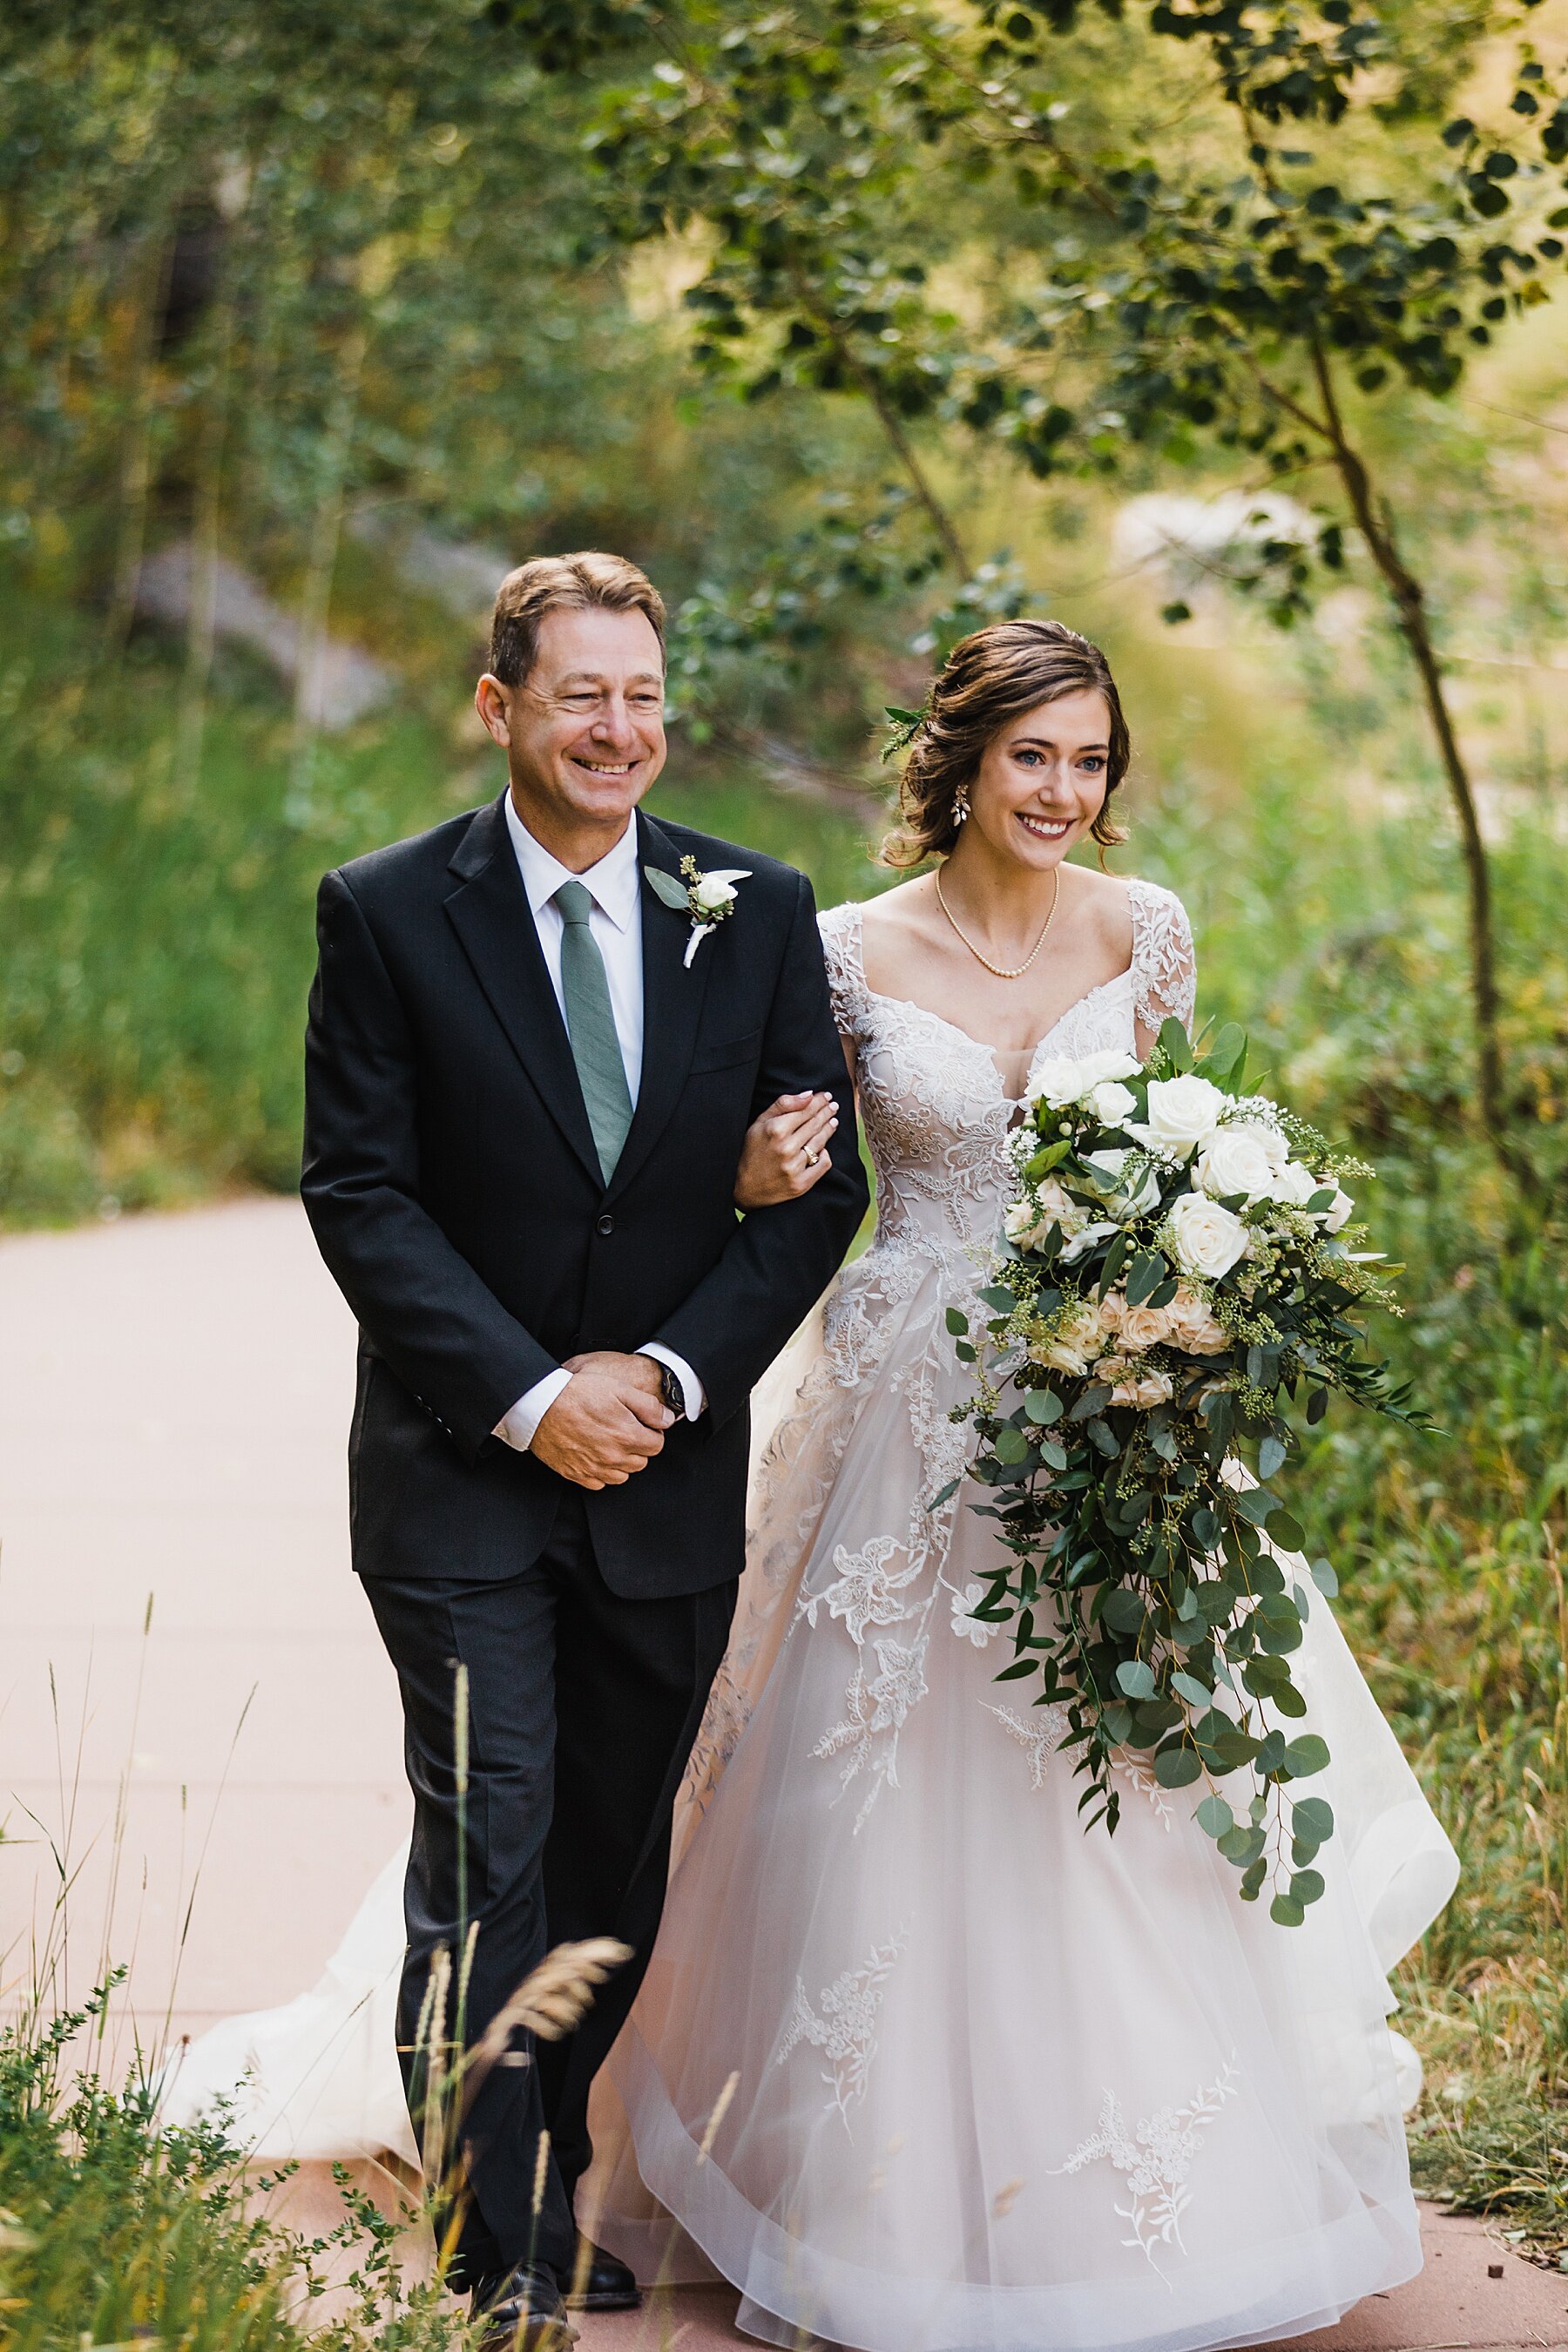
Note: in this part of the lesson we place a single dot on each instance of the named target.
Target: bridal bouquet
(1175, 1268)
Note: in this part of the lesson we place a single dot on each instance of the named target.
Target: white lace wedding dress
(921, 2066)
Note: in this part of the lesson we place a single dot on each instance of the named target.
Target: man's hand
(607, 1421)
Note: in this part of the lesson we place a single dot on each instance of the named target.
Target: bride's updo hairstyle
(987, 679)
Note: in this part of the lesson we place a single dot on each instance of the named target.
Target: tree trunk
(326, 529)
(200, 628)
(1375, 525)
(136, 455)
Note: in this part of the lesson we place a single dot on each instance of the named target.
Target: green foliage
(111, 2231)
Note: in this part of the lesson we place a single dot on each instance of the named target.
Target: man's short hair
(555, 583)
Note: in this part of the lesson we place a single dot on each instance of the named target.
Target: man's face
(585, 732)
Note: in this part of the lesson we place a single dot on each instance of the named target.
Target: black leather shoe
(523, 2312)
(601, 2282)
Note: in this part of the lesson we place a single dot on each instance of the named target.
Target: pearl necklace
(1001, 971)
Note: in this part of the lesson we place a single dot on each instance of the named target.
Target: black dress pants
(582, 1710)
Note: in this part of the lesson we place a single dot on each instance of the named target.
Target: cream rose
(1130, 1384)
(1184, 1112)
(713, 895)
(1071, 1345)
(1144, 1327)
(1234, 1161)
(1190, 1325)
(1206, 1239)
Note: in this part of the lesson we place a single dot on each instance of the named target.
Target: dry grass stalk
(553, 1997)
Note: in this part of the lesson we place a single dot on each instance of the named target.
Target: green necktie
(591, 1025)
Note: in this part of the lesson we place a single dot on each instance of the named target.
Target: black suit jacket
(452, 1182)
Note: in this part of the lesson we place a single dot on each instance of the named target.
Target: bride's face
(1042, 781)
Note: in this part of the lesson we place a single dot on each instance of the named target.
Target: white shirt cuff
(692, 1393)
(517, 1427)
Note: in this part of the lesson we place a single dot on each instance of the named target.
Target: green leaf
(1307, 1885)
(1019, 1666)
(1011, 1444)
(944, 1494)
(1122, 1610)
(1043, 1407)
(1136, 1679)
(1054, 1456)
(957, 1321)
(1270, 1454)
(1323, 1577)
(1224, 1056)
(1286, 1911)
(1306, 1756)
(666, 888)
(1256, 1504)
(1178, 1768)
(1314, 1817)
(1175, 1044)
(1000, 1301)
(1214, 1818)
(1288, 1533)
(1187, 1687)
(1144, 1276)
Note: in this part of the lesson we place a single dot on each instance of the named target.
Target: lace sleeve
(840, 929)
(1165, 971)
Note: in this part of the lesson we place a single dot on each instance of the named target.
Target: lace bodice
(935, 1110)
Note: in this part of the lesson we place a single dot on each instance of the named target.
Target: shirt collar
(613, 882)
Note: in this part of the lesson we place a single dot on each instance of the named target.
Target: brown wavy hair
(988, 678)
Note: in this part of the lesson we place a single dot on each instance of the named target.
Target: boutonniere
(706, 898)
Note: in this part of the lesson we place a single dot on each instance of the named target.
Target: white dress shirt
(615, 925)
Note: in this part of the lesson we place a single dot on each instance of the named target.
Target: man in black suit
(527, 1096)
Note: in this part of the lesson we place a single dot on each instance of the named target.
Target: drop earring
(960, 804)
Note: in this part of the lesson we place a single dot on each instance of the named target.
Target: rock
(346, 683)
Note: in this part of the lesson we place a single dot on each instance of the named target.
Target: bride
(919, 2066)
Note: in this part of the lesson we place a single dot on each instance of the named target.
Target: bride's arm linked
(785, 1151)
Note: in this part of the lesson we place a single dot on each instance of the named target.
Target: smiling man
(525, 1111)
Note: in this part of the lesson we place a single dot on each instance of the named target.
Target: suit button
(607, 1223)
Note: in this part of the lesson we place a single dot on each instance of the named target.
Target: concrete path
(216, 1787)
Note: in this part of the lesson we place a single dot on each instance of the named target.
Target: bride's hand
(785, 1151)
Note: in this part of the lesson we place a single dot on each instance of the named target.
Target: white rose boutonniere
(706, 898)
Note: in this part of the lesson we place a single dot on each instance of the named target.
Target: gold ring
(812, 1157)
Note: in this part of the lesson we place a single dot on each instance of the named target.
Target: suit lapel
(673, 997)
(490, 913)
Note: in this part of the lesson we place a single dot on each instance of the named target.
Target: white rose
(1293, 1185)
(1056, 1358)
(1152, 1387)
(1083, 1242)
(1263, 1117)
(1234, 1161)
(1183, 1113)
(1338, 1214)
(1069, 1078)
(1123, 1203)
(712, 896)
(1111, 1103)
(1205, 1238)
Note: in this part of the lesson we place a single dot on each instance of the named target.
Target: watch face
(672, 1395)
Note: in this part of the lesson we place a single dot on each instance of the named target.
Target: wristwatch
(670, 1390)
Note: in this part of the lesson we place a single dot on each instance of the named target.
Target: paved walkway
(218, 1787)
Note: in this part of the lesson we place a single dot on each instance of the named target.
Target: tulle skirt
(920, 2066)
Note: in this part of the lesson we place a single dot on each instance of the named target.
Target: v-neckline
(908, 1004)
